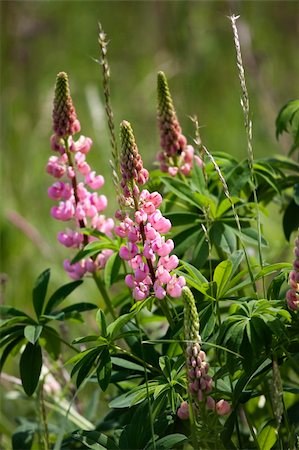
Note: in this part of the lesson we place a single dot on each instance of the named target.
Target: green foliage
(18, 328)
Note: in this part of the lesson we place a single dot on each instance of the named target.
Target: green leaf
(222, 274)
(182, 218)
(23, 436)
(225, 205)
(112, 269)
(104, 370)
(30, 367)
(101, 322)
(50, 340)
(201, 251)
(186, 239)
(290, 219)
(133, 397)
(251, 236)
(95, 440)
(271, 268)
(76, 308)
(40, 291)
(122, 362)
(85, 365)
(180, 189)
(288, 120)
(164, 363)
(116, 326)
(9, 349)
(267, 437)
(223, 237)
(169, 441)
(93, 248)
(59, 295)
(8, 311)
(32, 333)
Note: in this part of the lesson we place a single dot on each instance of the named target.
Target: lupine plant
(195, 344)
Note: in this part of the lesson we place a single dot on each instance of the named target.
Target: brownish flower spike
(65, 122)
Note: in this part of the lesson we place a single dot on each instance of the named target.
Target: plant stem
(248, 130)
(147, 390)
(75, 187)
(105, 296)
(140, 360)
(166, 311)
(44, 417)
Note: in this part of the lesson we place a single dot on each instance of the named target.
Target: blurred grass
(190, 41)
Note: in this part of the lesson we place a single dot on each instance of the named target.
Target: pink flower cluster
(200, 384)
(177, 156)
(76, 183)
(292, 294)
(78, 201)
(147, 252)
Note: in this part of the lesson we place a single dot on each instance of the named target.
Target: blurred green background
(191, 41)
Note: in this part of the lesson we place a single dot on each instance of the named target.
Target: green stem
(44, 418)
(75, 186)
(140, 360)
(253, 434)
(166, 311)
(105, 296)
(147, 389)
(49, 329)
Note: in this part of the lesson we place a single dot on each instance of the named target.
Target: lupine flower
(76, 183)
(176, 155)
(292, 294)
(200, 384)
(147, 250)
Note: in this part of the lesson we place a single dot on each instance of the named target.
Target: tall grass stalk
(114, 162)
(248, 129)
(227, 194)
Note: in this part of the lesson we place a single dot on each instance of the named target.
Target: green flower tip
(127, 136)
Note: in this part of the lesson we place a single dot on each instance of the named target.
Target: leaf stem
(105, 295)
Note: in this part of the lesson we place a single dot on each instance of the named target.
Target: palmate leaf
(39, 291)
(30, 367)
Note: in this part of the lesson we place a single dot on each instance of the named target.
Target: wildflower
(176, 155)
(200, 384)
(147, 251)
(183, 411)
(76, 183)
(292, 294)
